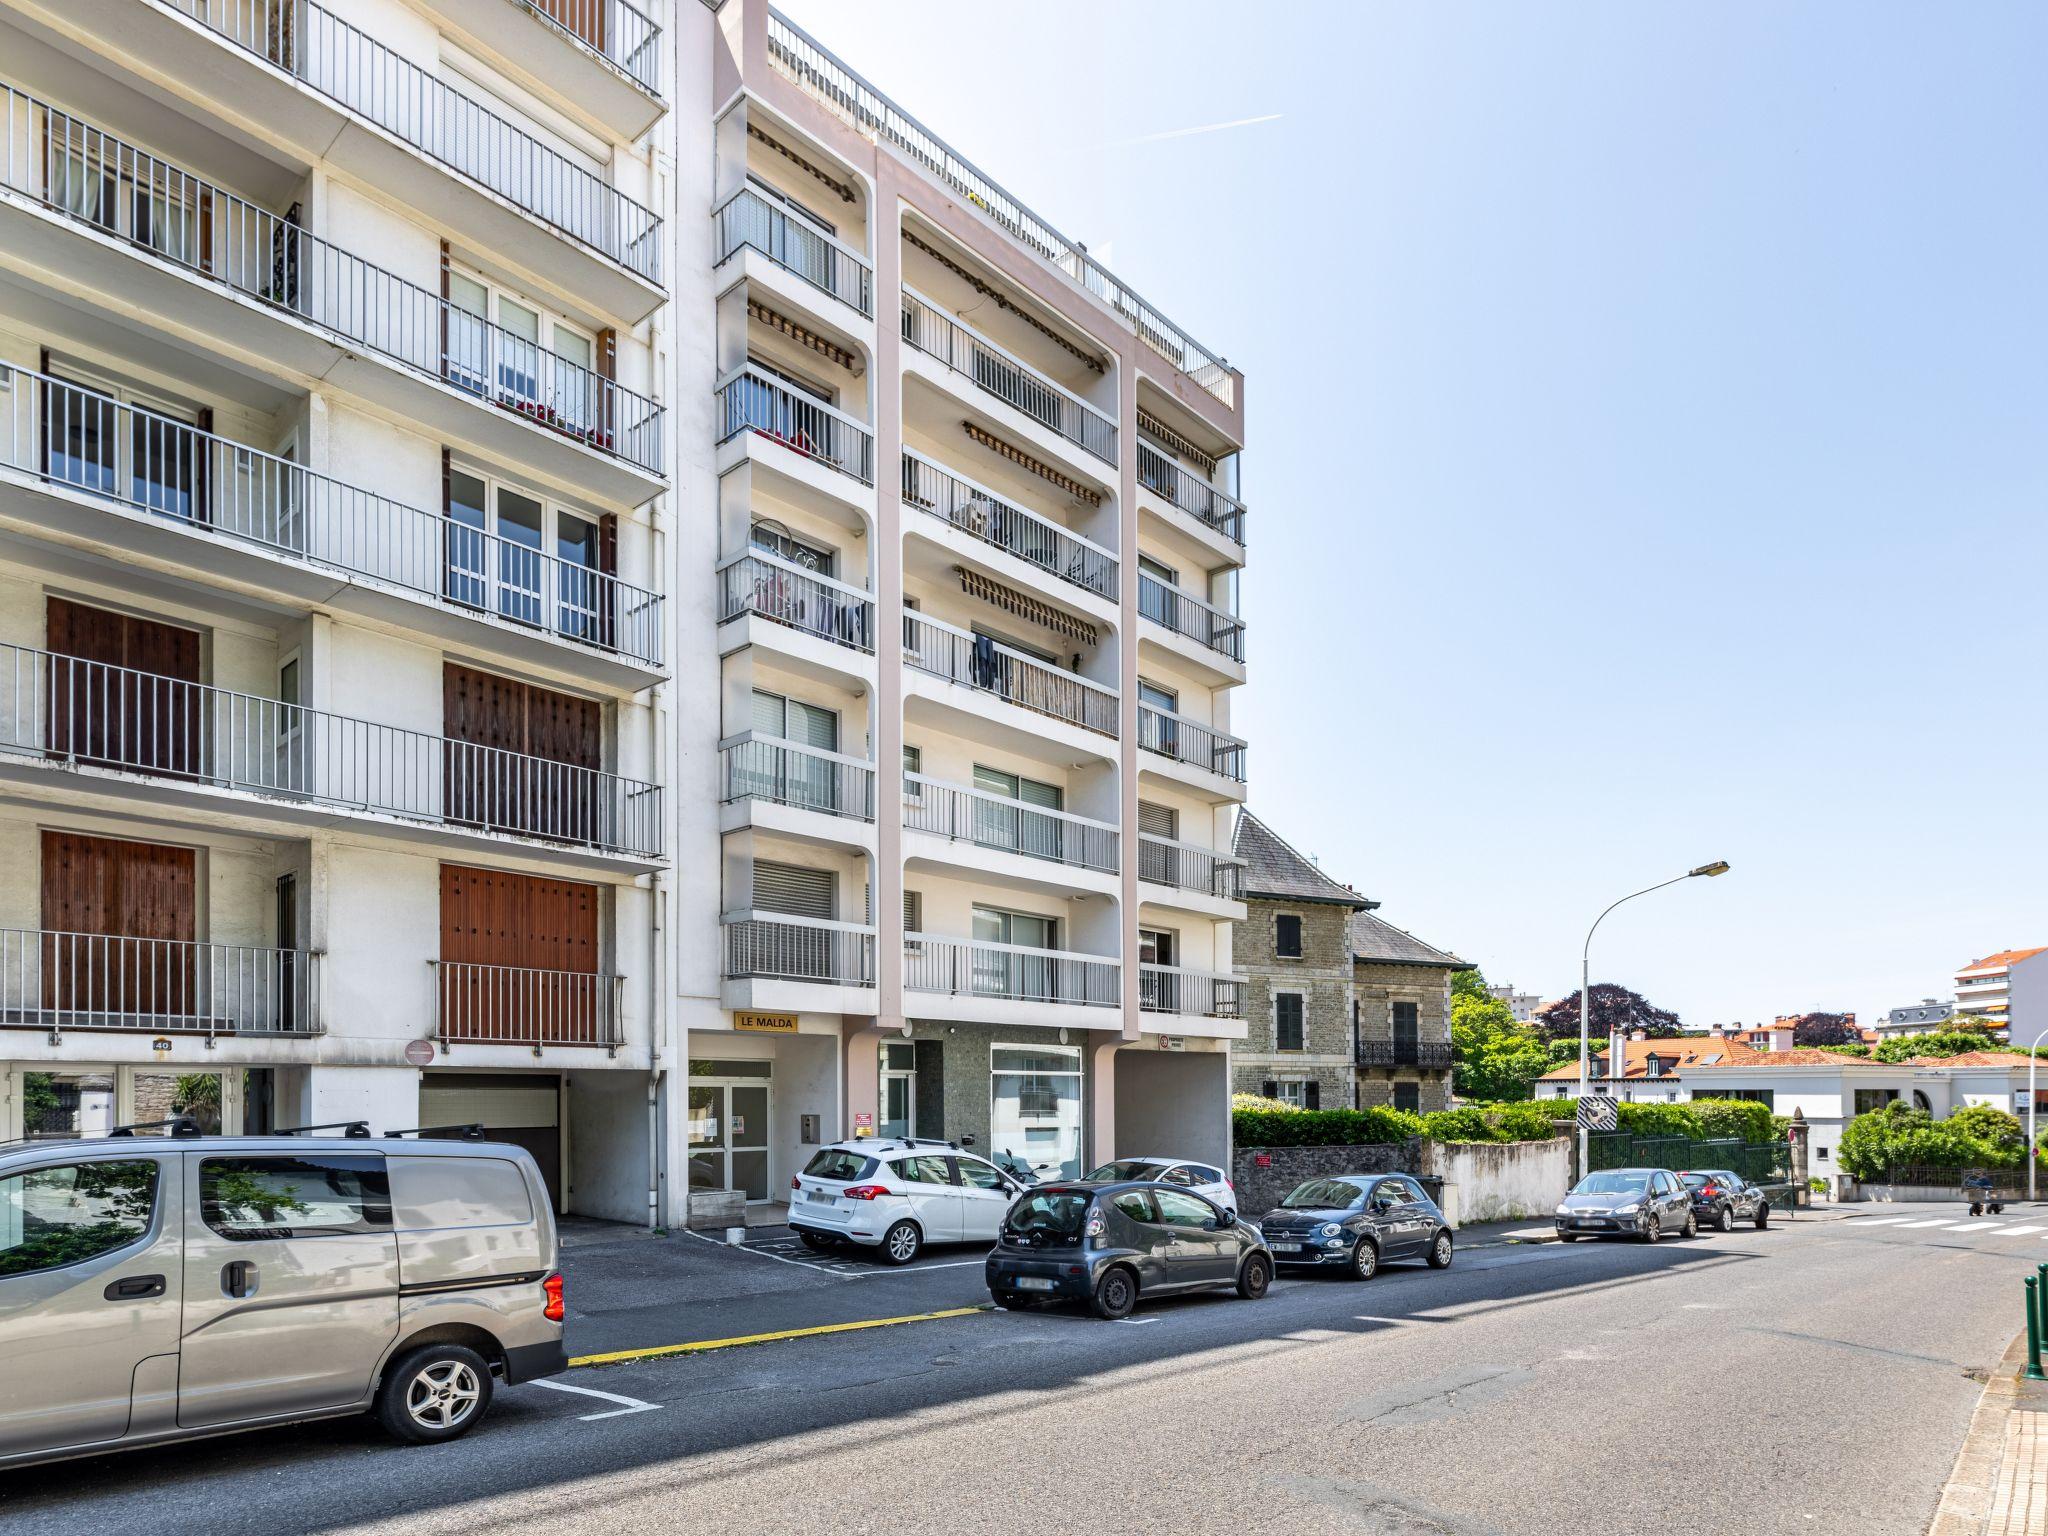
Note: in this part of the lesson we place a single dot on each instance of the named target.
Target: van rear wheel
(434, 1393)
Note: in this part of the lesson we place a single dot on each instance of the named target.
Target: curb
(1966, 1498)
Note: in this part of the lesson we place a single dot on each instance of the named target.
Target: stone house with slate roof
(1401, 994)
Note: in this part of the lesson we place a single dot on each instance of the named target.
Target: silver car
(158, 1288)
(1627, 1202)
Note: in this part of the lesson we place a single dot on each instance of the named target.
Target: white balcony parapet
(962, 813)
(1186, 614)
(66, 165)
(1016, 972)
(1192, 494)
(478, 1004)
(816, 70)
(772, 946)
(774, 588)
(1189, 867)
(932, 645)
(80, 439)
(63, 709)
(354, 70)
(56, 981)
(621, 34)
(749, 221)
(752, 401)
(758, 767)
(972, 355)
(980, 512)
(1186, 741)
(1172, 989)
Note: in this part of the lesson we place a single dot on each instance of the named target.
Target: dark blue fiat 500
(1358, 1222)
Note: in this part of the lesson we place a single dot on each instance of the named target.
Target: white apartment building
(1522, 1005)
(965, 782)
(2010, 987)
(337, 487)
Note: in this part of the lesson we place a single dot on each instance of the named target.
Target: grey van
(158, 1288)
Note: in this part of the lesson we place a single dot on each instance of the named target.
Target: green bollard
(2034, 1330)
(2041, 1303)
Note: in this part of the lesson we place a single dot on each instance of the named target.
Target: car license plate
(1285, 1247)
(821, 1196)
(1033, 1283)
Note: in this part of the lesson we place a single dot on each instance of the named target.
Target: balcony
(749, 221)
(770, 947)
(973, 968)
(974, 661)
(1185, 614)
(320, 51)
(756, 767)
(1430, 1055)
(70, 168)
(476, 1004)
(65, 712)
(996, 372)
(603, 56)
(95, 981)
(754, 402)
(209, 501)
(1199, 994)
(1197, 497)
(1190, 867)
(843, 92)
(769, 587)
(1186, 741)
(960, 813)
(983, 515)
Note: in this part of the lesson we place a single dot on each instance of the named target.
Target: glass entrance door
(899, 1092)
(729, 1136)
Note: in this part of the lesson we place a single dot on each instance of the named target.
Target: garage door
(523, 1108)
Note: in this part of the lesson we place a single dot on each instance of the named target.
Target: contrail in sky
(1188, 133)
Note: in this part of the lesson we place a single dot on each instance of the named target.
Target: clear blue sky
(1646, 446)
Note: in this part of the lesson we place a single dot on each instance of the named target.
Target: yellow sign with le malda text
(766, 1023)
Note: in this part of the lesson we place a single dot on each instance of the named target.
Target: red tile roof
(2000, 960)
(1687, 1050)
(1972, 1059)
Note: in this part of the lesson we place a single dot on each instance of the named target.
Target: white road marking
(1951, 1226)
(1990, 1226)
(2023, 1231)
(1941, 1222)
(632, 1404)
(1882, 1221)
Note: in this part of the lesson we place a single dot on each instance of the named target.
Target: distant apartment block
(1522, 1005)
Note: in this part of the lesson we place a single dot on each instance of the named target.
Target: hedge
(1324, 1127)
(1538, 1120)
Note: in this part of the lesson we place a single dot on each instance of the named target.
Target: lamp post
(1718, 867)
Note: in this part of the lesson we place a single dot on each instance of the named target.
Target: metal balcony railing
(784, 591)
(1433, 1054)
(63, 709)
(57, 981)
(752, 401)
(618, 33)
(969, 353)
(476, 1004)
(757, 767)
(976, 510)
(84, 440)
(1185, 741)
(1189, 867)
(1170, 989)
(1195, 496)
(767, 946)
(961, 813)
(749, 220)
(1186, 614)
(77, 170)
(804, 60)
(930, 645)
(978, 968)
(354, 70)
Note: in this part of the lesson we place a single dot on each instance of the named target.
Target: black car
(1358, 1222)
(1110, 1243)
(1721, 1198)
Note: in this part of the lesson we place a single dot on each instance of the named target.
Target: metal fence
(1019, 973)
(749, 220)
(1197, 497)
(758, 767)
(1759, 1162)
(619, 32)
(751, 401)
(1434, 1054)
(1189, 867)
(65, 709)
(778, 948)
(1186, 614)
(1169, 989)
(978, 511)
(784, 591)
(84, 440)
(977, 661)
(967, 352)
(477, 1004)
(55, 980)
(349, 67)
(963, 814)
(1186, 741)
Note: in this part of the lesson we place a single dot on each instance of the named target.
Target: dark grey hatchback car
(1648, 1203)
(1356, 1223)
(1110, 1243)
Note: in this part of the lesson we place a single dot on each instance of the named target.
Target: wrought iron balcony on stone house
(1431, 1055)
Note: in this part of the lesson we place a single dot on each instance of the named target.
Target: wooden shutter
(506, 792)
(794, 891)
(1312, 1094)
(1269, 1089)
(95, 886)
(519, 958)
(607, 594)
(98, 714)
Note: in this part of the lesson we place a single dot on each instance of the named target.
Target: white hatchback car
(898, 1194)
(1205, 1179)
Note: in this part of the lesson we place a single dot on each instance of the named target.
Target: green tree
(1614, 1008)
(1494, 1059)
(1947, 1042)
(1469, 983)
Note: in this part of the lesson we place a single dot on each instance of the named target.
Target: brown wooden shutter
(526, 925)
(607, 585)
(150, 722)
(1312, 1094)
(105, 886)
(482, 709)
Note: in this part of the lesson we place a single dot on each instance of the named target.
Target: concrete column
(861, 1062)
(886, 552)
(1100, 1133)
(1802, 1135)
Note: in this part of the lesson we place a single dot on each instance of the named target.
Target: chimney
(1639, 1034)
(1781, 1037)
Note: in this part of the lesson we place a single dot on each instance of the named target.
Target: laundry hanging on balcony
(1025, 606)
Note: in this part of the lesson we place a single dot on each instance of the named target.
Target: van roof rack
(352, 1130)
(473, 1131)
(182, 1126)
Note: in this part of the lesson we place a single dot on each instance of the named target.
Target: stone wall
(1322, 975)
(1265, 1175)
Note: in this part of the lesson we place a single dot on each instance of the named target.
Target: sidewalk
(2000, 1483)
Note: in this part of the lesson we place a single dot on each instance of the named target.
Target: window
(796, 381)
(790, 778)
(795, 891)
(913, 763)
(777, 195)
(925, 1170)
(1137, 1205)
(508, 348)
(1869, 1099)
(1289, 1024)
(786, 546)
(1179, 1210)
(1035, 1108)
(1202, 1175)
(508, 540)
(53, 1217)
(1406, 1022)
(976, 1174)
(836, 1163)
(258, 1199)
(1821, 1153)
(149, 453)
(1152, 696)
(1287, 936)
(1292, 1091)
(1408, 1096)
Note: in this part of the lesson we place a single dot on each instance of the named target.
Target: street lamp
(1718, 867)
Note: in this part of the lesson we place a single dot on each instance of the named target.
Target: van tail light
(554, 1309)
(864, 1191)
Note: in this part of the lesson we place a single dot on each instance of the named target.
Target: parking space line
(703, 1346)
(632, 1404)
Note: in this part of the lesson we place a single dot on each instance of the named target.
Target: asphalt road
(1811, 1378)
